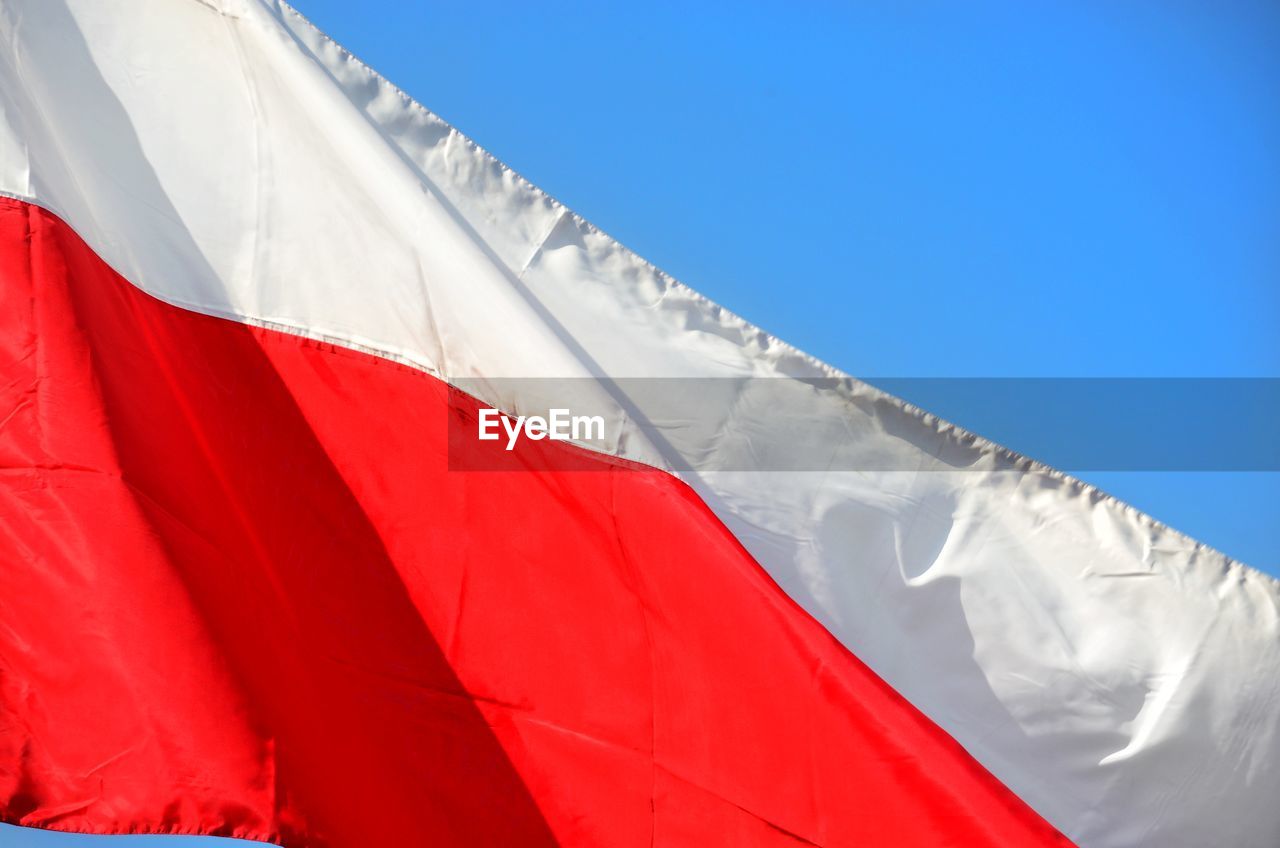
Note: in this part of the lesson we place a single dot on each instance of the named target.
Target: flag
(260, 580)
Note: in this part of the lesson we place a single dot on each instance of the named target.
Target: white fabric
(226, 157)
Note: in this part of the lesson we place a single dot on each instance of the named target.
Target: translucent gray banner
(820, 424)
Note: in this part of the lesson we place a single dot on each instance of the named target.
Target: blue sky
(1077, 189)
(1085, 189)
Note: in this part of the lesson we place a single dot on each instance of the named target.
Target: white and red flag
(253, 298)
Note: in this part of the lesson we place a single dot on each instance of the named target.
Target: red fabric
(241, 594)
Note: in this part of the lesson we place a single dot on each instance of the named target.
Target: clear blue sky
(982, 189)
